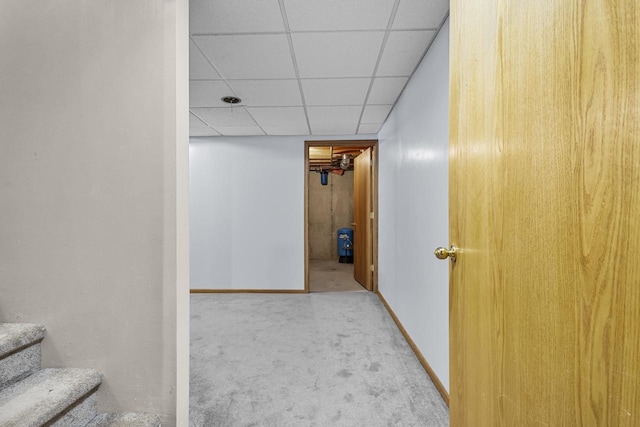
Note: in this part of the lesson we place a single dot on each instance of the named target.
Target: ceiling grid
(375, 69)
(285, 20)
(319, 67)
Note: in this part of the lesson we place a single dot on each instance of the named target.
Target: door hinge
(372, 267)
(372, 215)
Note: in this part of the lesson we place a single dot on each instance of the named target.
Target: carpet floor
(324, 359)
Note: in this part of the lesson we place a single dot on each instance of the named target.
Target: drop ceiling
(304, 67)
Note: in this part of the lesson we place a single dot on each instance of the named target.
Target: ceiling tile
(385, 90)
(239, 130)
(282, 116)
(369, 128)
(224, 116)
(334, 129)
(335, 91)
(202, 131)
(194, 121)
(403, 51)
(336, 43)
(265, 56)
(333, 120)
(286, 130)
(420, 13)
(375, 113)
(330, 115)
(237, 16)
(207, 93)
(257, 93)
(338, 14)
(199, 67)
(337, 54)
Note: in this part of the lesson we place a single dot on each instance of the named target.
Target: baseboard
(248, 291)
(436, 381)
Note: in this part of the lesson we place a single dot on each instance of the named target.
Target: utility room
(340, 216)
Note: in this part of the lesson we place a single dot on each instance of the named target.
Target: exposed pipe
(345, 162)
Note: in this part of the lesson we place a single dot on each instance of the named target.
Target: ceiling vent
(231, 99)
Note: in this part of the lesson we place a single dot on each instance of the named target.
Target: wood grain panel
(544, 204)
(362, 205)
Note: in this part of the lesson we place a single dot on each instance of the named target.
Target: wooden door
(545, 208)
(362, 207)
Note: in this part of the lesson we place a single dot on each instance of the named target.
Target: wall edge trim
(436, 381)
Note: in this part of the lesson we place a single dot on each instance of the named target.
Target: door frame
(373, 143)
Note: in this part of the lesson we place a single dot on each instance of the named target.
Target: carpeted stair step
(125, 420)
(19, 351)
(56, 397)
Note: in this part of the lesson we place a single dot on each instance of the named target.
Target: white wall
(179, 206)
(413, 207)
(247, 211)
(88, 189)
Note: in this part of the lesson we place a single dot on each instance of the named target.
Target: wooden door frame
(373, 143)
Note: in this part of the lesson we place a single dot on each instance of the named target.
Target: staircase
(34, 397)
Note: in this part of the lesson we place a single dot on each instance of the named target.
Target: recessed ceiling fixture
(231, 99)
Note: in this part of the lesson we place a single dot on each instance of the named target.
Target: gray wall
(249, 235)
(88, 189)
(330, 208)
(414, 207)
(246, 212)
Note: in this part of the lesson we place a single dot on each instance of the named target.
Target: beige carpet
(331, 276)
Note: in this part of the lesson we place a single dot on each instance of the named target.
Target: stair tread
(45, 394)
(16, 335)
(125, 420)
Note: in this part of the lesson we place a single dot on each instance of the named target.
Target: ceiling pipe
(345, 162)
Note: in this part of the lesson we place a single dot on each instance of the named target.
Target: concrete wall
(247, 211)
(413, 207)
(88, 190)
(330, 208)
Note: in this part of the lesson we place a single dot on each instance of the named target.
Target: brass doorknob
(443, 253)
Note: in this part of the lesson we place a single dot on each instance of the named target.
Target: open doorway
(340, 215)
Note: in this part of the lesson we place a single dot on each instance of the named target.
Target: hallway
(323, 359)
(331, 276)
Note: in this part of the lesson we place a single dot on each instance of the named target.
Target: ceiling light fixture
(231, 99)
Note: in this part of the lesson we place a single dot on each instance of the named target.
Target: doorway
(340, 215)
